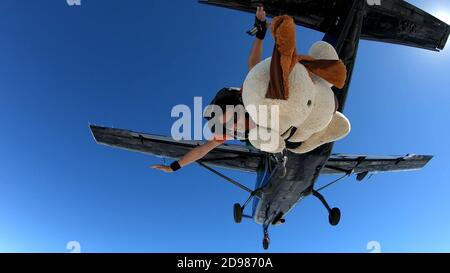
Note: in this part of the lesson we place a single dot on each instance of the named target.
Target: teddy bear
(306, 111)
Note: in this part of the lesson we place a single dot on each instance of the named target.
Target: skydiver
(231, 125)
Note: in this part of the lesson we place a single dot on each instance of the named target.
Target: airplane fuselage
(286, 187)
(302, 170)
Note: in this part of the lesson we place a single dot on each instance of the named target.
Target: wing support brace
(232, 181)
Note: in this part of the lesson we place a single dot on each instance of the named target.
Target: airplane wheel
(237, 211)
(266, 243)
(334, 217)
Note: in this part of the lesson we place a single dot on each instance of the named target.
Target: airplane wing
(398, 22)
(393, 21)
(360, 164)
(235, 157)
(238, 157)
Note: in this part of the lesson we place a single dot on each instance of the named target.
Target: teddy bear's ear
(323, 51)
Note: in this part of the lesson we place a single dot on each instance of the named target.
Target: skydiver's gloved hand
(260, 27)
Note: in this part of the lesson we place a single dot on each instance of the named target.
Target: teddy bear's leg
(336, 130)
(266, 140)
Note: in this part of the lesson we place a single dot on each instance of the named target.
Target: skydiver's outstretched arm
(255, 54)
(192, 156)
(257, 48)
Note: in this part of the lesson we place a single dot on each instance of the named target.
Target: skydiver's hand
(261, 23)
(261, 14)
(163, 168)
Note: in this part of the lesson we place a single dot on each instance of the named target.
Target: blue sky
(126, 64)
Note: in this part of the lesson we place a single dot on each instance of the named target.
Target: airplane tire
(334, 217)
(237, 211)
(266, 243)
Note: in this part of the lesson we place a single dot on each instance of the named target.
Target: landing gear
(334, 214)
(266, 240)
(237, 211)
(266, 243)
